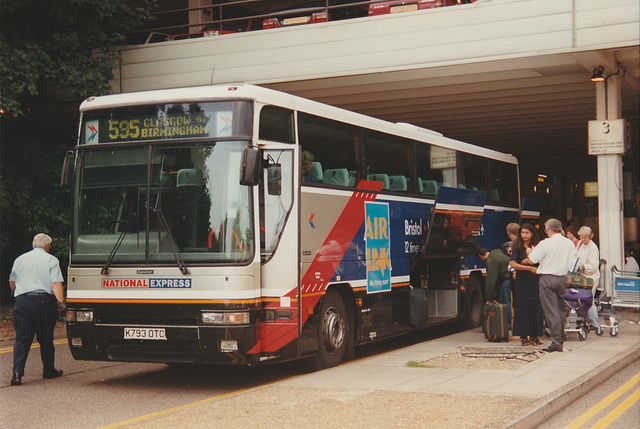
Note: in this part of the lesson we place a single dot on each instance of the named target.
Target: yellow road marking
(609, 418)
(603, 404)
(204, 401)
(33, 346)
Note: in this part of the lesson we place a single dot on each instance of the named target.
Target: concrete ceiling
(535, 108)
(511, 75)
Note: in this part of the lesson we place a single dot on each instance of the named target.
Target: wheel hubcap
(333, 330)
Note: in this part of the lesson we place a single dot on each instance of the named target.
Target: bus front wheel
(332, 331)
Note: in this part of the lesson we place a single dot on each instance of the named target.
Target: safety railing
(227, 17)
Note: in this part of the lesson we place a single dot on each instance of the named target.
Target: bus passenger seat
(189, 177)
(398, 183)
(338, 176)
(461, 186)
(429, 187)
(353, 174)
(495, 195)
(384, 178)
(316, 170)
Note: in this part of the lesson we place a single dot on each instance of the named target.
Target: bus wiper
(105, 268)
(172, 242)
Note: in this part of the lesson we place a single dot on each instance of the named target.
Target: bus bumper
(175, 344)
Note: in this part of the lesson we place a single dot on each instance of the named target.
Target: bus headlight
(79, 315)
(224, 318)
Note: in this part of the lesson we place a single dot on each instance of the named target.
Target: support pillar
(610, 205)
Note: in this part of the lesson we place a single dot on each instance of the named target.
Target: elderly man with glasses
(554, 254)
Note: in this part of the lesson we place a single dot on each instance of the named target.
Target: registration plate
(295, 21)
(144, 334)
(404, 8)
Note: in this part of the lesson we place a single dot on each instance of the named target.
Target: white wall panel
(501, 29)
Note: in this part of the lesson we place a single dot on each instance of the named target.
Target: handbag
(578, 281)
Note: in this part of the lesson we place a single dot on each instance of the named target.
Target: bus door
(279, 253)
(456, 220)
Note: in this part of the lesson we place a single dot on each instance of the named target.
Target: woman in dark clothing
(527, 319)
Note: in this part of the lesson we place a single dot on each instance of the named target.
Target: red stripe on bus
(321, 269)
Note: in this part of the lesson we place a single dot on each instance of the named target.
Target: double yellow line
(616, 412)
(33, 346)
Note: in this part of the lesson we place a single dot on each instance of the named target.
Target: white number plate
(144, 334)
(297, 20)
(404, 8)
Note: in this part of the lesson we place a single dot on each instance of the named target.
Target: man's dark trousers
(34, 315)
(552, 289)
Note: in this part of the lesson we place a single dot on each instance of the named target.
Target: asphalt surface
(463, 366)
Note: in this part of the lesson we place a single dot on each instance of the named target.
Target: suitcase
(578, 281)
(495, 322)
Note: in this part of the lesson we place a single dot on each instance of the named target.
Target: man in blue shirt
(36, 282)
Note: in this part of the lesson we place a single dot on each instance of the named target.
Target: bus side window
(503, 183)
(435, 167)
(388, 160)
(473, 172)
(276, 124)
(335, 147)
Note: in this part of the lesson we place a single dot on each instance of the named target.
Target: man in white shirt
(554, 254)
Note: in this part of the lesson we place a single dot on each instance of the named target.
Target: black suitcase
(495, 322)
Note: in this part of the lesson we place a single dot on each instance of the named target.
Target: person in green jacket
(497, 286)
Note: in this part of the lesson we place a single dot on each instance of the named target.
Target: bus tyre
(332, 331)
(473, 302)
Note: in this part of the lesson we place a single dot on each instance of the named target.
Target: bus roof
(278, 98)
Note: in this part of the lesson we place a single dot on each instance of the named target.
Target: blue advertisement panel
(378, 247)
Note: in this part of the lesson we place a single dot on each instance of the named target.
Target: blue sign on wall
(378, 247)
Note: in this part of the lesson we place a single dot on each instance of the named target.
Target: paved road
(96, 394)
(615, 402)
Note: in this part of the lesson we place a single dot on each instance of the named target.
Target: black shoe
(52, 374)
(551, 349)
(16, 380)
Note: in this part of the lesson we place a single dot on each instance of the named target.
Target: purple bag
(583, 295)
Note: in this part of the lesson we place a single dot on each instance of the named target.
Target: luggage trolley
(625, 292)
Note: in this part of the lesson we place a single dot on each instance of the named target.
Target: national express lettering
(147, 283)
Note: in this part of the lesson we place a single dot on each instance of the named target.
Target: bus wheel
(332, 331)
(473, 302)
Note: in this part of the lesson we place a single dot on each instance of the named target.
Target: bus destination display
(185, 125)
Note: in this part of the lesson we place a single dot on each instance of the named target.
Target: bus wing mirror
(274, 179)
(67, 169)
(251, 166)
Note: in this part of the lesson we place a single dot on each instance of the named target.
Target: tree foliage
(53, 53)
(66, 43)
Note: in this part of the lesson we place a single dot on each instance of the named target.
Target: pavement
(455, 364)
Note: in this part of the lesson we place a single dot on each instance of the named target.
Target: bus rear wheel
(332, 331)
(473, 302)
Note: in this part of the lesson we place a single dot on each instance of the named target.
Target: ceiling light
(597, 74)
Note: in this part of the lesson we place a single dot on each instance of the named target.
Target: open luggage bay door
(455, 223)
